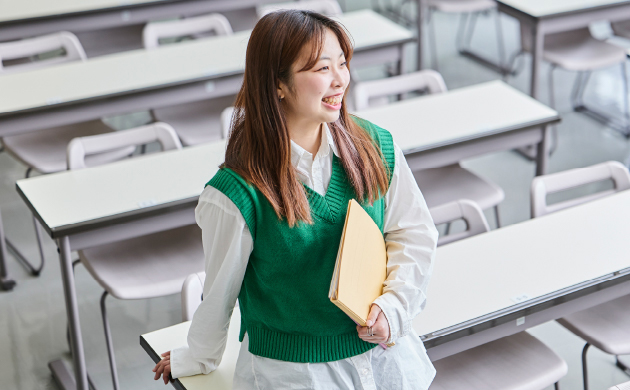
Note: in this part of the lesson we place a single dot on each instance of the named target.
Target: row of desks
(492, 285)
(160, 191)
(165, 76)
(33, 17)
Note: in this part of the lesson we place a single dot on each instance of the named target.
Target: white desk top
(11, 10)
(72, 197)
(175, 336)
(480, 275)
(542, 8)
(136, 70)
(458, 115)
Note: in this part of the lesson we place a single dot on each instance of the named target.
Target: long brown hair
(259, 146)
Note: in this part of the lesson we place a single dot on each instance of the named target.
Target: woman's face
(316, 93)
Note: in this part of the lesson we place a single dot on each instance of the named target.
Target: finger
(159, 371)
(167, 372)
(374, 312)
(167, 353)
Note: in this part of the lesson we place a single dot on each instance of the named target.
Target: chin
(328, 118)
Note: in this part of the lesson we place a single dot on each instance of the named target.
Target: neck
(308, 136)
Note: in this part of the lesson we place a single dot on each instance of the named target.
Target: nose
(341, 77)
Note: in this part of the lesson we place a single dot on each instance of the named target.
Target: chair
(519, 361)
(226, 121)
(469, 10)
(606, 326)
(438, 185)
(196, 122)
(45, 150)
(578, 51)
(324, 7)
(192, 294)
(460, 209)
(127, 269)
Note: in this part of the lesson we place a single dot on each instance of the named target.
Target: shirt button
(365, 371)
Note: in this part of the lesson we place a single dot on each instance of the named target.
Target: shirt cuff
(396, 316)
(183, 364)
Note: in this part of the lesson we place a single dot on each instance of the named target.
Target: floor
(32, 316)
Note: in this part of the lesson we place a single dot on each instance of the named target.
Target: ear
(281, 91)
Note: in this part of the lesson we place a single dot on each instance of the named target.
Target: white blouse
(410, 237)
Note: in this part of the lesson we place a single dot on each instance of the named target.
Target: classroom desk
(26, 18)
(442, 129)
(492, 285)
(552, 16)
(143, 79)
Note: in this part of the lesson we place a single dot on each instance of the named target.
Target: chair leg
(35, 271)
(471, 28)
(578, 89)
(621, 365)
(500, 41)
(432, 39)
(556, 386)
(584, 373)
(447, 230)
(552, 104)
(496, 216)
(461, 30)
(110, 345)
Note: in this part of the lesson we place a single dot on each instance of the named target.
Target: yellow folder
(361, 266)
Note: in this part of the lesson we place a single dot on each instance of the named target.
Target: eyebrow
(327, 58)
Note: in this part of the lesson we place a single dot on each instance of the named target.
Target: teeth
(334, 100)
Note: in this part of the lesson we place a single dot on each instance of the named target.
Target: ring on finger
(370, 331)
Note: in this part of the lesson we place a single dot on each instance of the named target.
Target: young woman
(272, 219)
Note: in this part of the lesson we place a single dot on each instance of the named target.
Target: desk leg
(59, 370)
(542, 154)
(537, 49)
(6, 284)
(419, 23)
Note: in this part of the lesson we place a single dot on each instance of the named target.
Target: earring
(280, 98)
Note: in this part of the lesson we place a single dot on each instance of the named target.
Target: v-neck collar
(330, 206)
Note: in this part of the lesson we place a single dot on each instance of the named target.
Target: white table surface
(27, 9)
(541, 8)
(457, 115)
(175, 336)
(481, 275)
(71, 197)
(168, 65)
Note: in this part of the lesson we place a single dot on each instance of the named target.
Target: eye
(322, 68)
(344, 63)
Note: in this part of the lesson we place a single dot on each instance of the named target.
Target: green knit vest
(283, 300)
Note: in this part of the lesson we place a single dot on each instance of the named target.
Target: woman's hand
(377, 326)
(163, 368)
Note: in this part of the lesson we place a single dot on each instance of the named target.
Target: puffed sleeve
(227, 244)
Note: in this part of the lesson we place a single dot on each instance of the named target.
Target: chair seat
(517, 362)
(606, 326)
(462, 6)
(196, 122)
(150, 266)
(579, 51)
(45, 150)
(449, 184)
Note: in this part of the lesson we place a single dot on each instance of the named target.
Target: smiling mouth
(333, 100)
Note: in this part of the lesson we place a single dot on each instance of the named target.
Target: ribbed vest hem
(305, 349)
